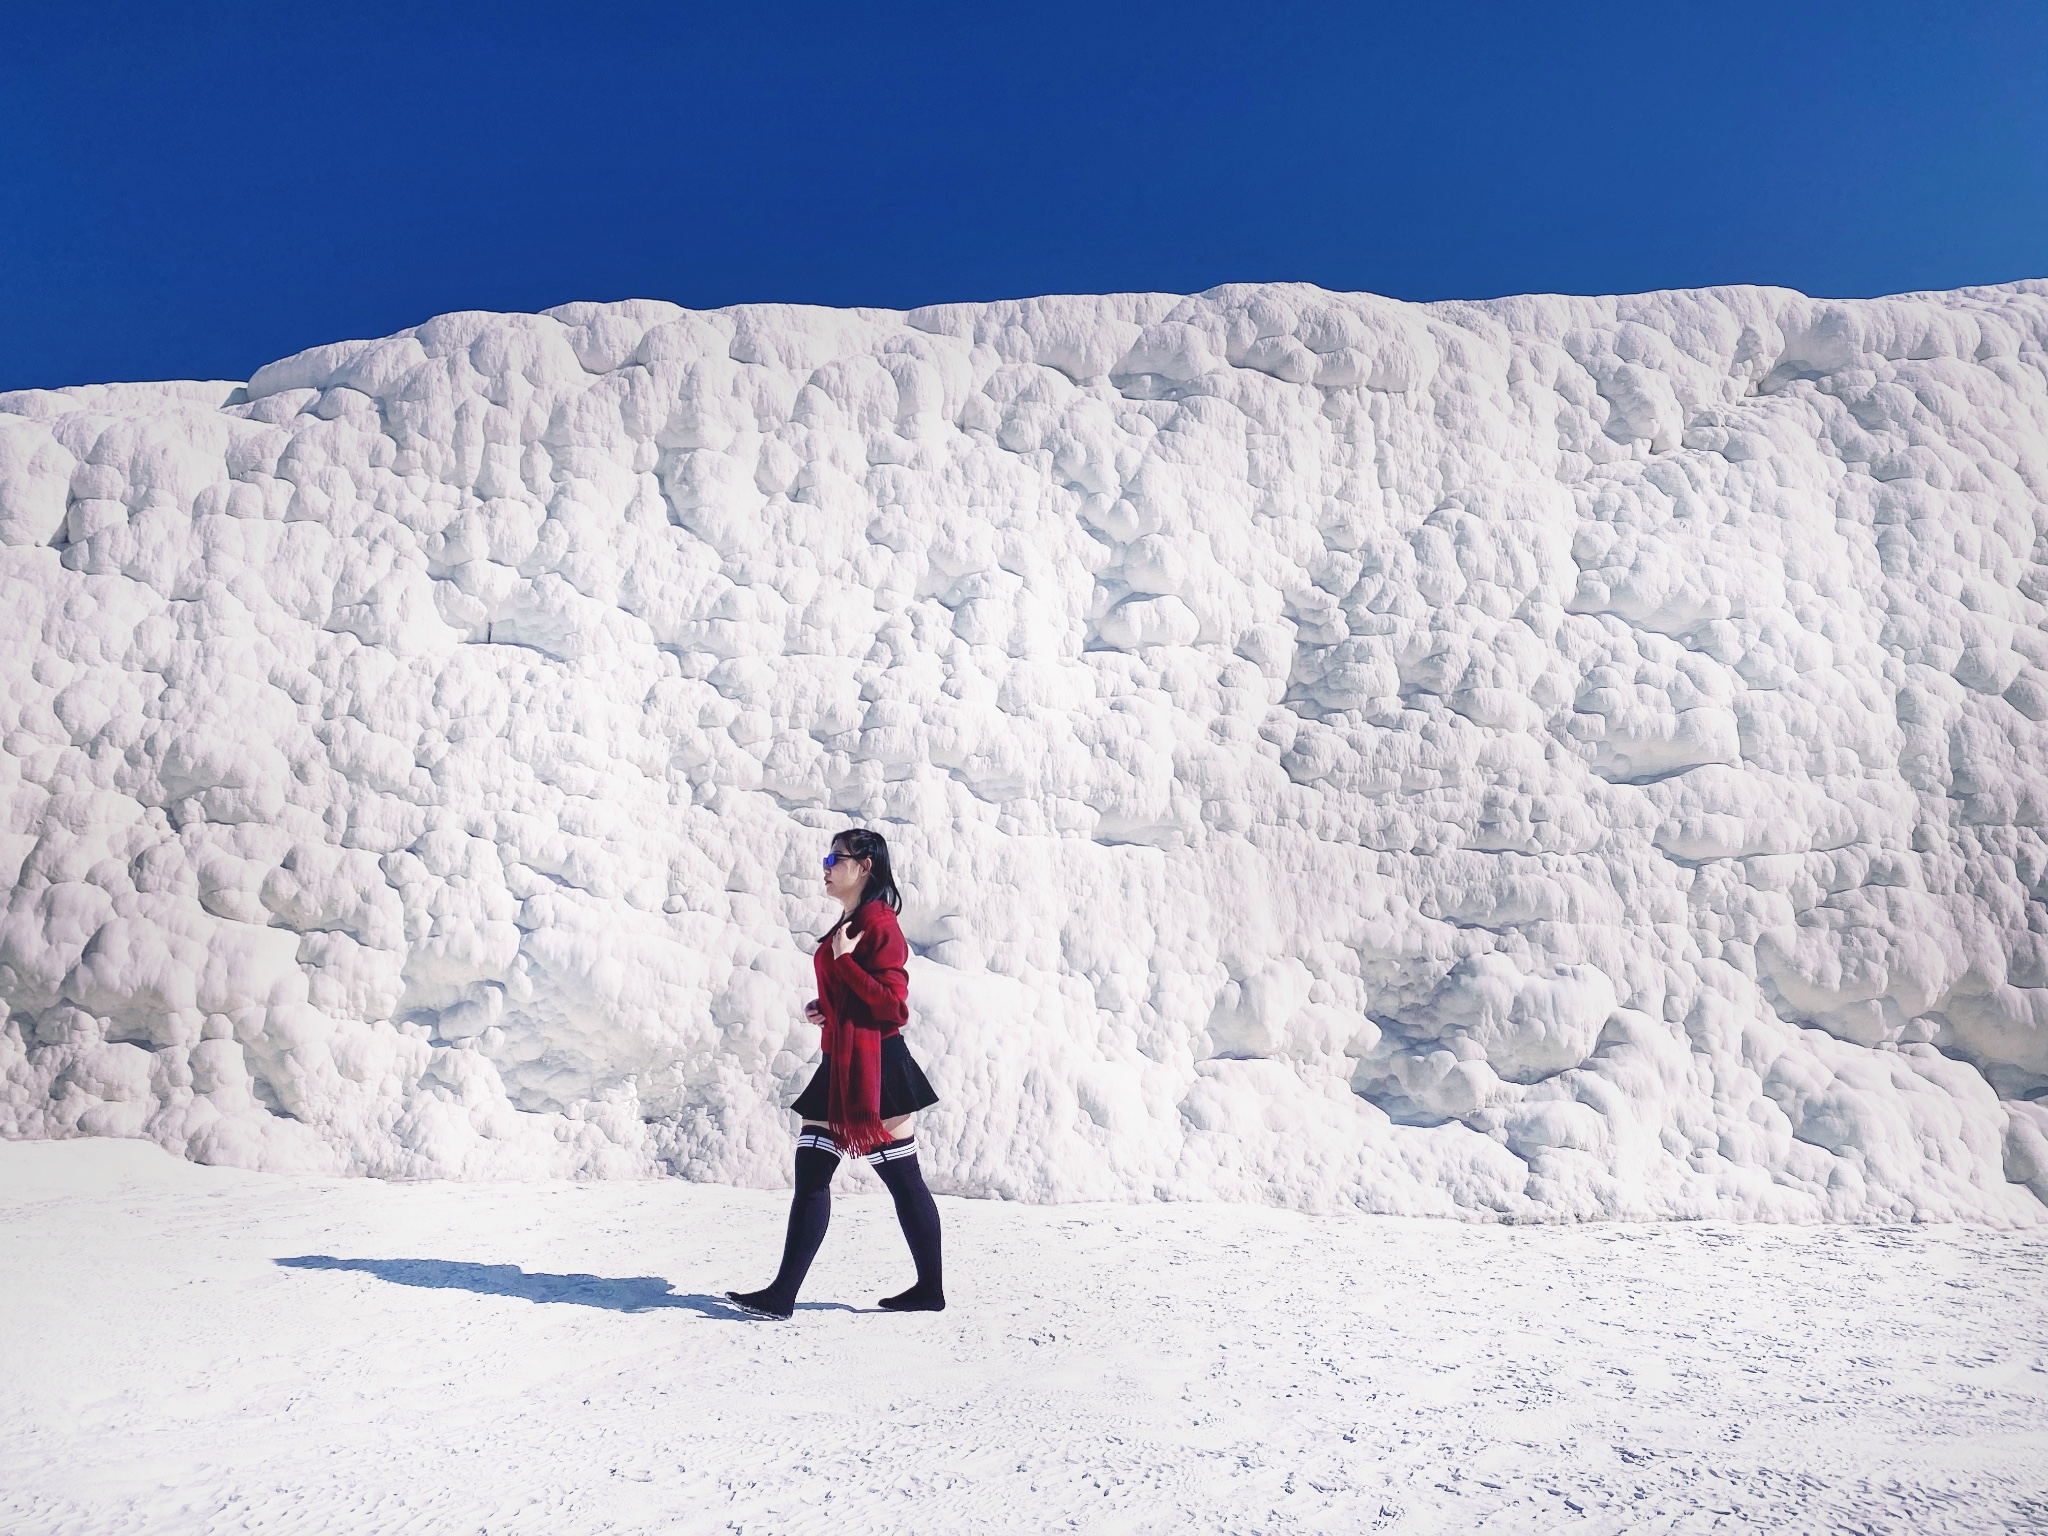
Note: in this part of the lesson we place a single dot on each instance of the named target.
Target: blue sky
(190, 191)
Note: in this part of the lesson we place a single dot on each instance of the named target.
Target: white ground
(552, 1358)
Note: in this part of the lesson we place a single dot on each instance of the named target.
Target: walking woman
(860, 1100)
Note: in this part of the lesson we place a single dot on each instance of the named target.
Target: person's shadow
(640, 1293)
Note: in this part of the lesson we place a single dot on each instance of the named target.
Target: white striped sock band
(907, 1147)
(822, 1140)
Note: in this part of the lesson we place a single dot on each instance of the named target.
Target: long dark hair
(861, 843)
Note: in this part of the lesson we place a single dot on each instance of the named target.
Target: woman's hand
(814, 1013)
(843, 942)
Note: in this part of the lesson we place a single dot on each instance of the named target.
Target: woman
(860, 1100)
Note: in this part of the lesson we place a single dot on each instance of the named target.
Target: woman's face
(847, 877)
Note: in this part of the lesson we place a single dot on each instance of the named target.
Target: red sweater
(866, 989)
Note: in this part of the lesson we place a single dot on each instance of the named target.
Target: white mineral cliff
(1548, 758)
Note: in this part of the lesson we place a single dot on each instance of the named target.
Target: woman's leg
(918, 1214)
(810, 1212)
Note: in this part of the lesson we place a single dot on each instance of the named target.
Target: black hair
(861, 843)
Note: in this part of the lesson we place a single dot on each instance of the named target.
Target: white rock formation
(1551, 758)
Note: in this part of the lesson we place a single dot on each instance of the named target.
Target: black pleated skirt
(905, 1089)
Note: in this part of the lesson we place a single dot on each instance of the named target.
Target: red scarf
(862, 995)
(856, 1112)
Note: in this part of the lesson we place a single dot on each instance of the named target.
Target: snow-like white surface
(187, 1349)
(1548, 758)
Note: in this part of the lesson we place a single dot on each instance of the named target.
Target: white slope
(1548, 758)
(191, 1349)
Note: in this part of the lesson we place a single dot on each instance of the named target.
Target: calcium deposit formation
(1542, 759)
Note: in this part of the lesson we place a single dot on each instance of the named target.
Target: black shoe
(766, 1304)
(916, 1299)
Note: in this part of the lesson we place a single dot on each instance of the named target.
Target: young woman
(860, 1100)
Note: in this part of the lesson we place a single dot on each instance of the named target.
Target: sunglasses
(839, 858)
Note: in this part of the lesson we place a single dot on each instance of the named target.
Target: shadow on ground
(640, 1293)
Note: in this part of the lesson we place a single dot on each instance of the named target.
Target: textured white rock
(1551, 757)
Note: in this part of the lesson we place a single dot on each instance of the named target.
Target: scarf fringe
(859, 1141)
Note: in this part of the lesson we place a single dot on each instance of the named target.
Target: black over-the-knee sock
(919, 1214)
(810, 1212)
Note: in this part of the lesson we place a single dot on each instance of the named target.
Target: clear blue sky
(192, 190)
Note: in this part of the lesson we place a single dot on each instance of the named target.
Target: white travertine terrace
(1549, 758)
